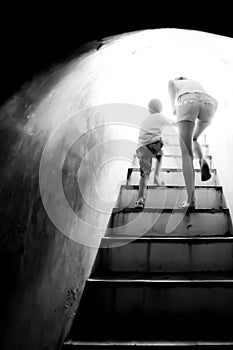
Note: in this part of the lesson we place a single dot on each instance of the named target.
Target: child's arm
(167, 121)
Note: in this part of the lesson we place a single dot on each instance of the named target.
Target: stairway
(154, 286)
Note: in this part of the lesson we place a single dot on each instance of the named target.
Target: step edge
(203, 239)
(126, 210)
(148, 343)
(172, 169)
(160, 281)
(209, 156)
(178, 145)
(218, 187)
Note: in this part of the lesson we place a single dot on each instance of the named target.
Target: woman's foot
(157, 181)
(205, 171)
(140, 203)
(187, 205)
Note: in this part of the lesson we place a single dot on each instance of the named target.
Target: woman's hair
(180, 78)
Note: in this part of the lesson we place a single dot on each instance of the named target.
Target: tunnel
(67, 139)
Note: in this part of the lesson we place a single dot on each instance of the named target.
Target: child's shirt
(152, 128)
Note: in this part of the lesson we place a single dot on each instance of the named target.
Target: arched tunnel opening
(67, 140)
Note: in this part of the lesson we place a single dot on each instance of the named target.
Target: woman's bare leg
(186, 129)
(199, 128)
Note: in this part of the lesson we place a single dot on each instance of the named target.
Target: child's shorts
(145, 155)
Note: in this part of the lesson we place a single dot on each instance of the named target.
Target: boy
(149, 146)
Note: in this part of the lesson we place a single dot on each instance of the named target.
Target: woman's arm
(172, 93)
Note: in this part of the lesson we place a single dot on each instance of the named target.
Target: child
(149, 146)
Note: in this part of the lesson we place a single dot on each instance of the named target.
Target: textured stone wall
(43, 269)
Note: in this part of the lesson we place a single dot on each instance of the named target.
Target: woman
(194, 110)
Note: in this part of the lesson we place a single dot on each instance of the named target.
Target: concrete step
(147, 345)
(167, 308)
(172, 222)
(173, 138)
(171, 177)
(163, 255)
(174, 149)
(168, 196)
(175, 162)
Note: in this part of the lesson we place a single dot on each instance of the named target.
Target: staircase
(154, 286)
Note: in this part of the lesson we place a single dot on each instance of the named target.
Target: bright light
(137, 67)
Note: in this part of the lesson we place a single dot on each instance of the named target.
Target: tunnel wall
(44, 264)
(46, 250)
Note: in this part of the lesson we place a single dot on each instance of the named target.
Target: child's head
(155, 106)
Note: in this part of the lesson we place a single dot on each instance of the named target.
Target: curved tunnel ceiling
(35, 37)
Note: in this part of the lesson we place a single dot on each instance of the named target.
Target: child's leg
(142, 186)
(145, 169)
(157, 169)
